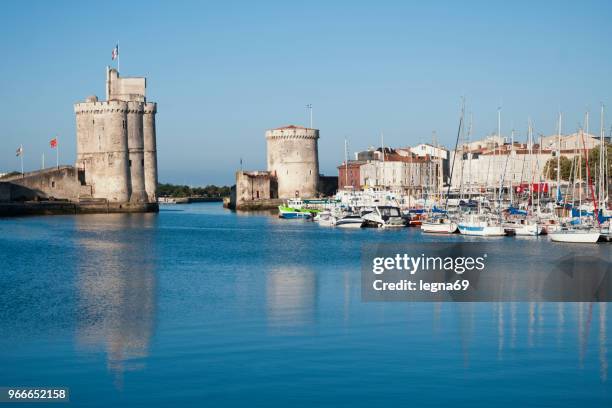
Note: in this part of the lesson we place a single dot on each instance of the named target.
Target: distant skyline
(223, 73)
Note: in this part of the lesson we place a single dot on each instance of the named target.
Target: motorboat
(349, 221)
(384, 217)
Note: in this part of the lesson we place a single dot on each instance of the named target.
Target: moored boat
(291, 213)
(480, 226)
(349, 221)
(575, 236)
(439, 225)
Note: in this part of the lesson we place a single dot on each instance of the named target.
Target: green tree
(550, 169)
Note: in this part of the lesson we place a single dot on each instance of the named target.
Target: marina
(306, 204)
(283, 305)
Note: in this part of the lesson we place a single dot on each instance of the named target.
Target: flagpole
(118, 70)
(21, 158)
(57, 152)
(43, 161)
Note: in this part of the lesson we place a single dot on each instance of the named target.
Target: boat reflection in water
(291, 293)
(116, 288)
(520, 324)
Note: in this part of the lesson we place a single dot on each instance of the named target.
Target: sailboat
(584, 234)
(482, 225)
(441, 223)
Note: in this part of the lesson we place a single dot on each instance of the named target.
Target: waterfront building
(396, 169)
(489, 164)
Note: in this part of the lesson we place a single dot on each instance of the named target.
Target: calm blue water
(199, 306)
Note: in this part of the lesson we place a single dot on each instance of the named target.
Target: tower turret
(150, 150)
(294, 159)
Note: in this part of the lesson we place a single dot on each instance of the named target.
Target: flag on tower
(19, 151)
(115, 52)
(53, 143)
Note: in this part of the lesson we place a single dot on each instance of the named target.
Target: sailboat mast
(602, 161)
(455, 152)
(559, 158)
(511, 168)
(345, 162)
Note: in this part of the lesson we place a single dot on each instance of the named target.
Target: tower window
(130, 163)
(142, 162)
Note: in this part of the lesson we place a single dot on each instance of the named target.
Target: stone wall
(253, 186)
(59, 183)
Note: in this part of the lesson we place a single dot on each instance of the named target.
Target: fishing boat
(439, 225)
(292, 213)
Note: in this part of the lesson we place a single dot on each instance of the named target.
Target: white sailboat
(584, 234)
(480, 225)
(439, 225)
(575, 236)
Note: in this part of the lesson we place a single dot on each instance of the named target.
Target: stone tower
(294, 159)
(116, 146)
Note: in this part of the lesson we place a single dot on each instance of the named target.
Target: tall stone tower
(293, 157)
(116, 146)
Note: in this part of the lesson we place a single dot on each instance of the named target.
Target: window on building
(53, 184)
(142, 162)
(130, 163)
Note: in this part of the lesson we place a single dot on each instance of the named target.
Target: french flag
(115, 52)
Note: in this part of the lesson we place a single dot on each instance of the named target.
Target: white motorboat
(384, 217)
(325, 219)
(349, 221)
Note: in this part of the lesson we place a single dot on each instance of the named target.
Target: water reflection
(603, 360)
(116, 288)
(509, 317)
(291, 293)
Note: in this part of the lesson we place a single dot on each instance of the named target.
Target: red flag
(53, 143)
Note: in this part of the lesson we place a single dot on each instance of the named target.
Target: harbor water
(200, 306)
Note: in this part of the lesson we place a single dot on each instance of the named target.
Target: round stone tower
(150, 150)
(102, 148)
(294, 159)
(136, 151)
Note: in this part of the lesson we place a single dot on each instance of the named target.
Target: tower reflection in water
(116, 287)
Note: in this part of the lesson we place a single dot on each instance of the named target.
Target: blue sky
(224, 72)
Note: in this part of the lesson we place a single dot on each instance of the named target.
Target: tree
(550, 169)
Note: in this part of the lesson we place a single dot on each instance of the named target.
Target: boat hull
(439, 228)
(575, 237)
(348, 224)
(481, 230)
